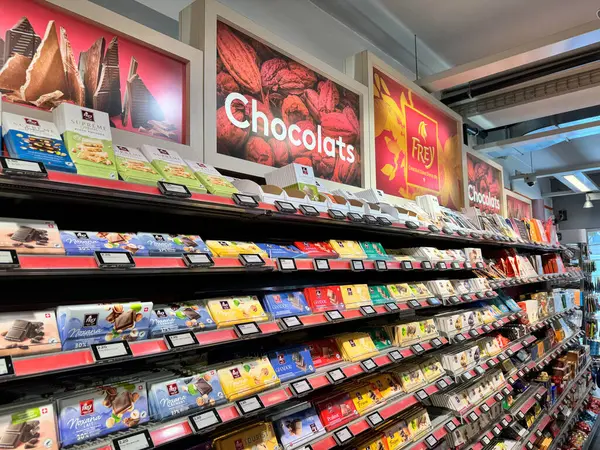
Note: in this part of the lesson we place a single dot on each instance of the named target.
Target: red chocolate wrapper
(336, 411)
(324, 298)
(324, 352)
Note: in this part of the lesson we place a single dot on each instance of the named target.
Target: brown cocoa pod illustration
(231, 139)
(219, 64)
(304, 160)
(269, 72)
(308, 77)
(289, 82)
(281, 152)
(329, 96)
(225, 86)
(311, 98)
(263, 51)
(298, 151)
(293, 110)
(257, 150)
(337, 124)
(347, 173)
(239, 58)
(323, 165)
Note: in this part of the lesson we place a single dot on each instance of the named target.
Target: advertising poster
(48, 57)
(417, 146)
(272, 110)
(484, 185)
(517, 206)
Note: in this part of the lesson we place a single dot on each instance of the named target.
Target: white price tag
(115, 258)
(357, 265)
(6, 366)
(138, 441)
(333, 315)
(367, 310)
(205, 419)
(198, 260)
(19, 164)
(395, 355)
(450, 426)
(251, 259)
(286, 264)
(381, 265)
(368, 364)
(374, 419)
(485, 408)
(250, 405)
(343, 435)
(321, 264)
(175, 188)
(184, 339)
(336, 375)
(292, 322)
(442, 384)
(417, 349)
(485, 440)
(431, 441)
(301, 387)
(247, 329)
(473, 417)
(5, 257)
(391, 307)
(110, 351)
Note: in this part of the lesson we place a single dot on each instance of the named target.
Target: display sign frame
(510, 196)
(494, 166)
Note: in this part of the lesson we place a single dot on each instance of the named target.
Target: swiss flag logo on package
(86, 407)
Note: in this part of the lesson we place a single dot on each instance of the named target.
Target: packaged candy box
(298, 428)
(28, 333)
(280, 251)
(88, 242)
(228, 311)
(192, 316)
(82, 325)
(33, 428)
(316, 249)
(324, 352)
(336, 410)
(157, 244)
(133, 166)
(257, 436)
(247, 377)
(172, 167)
(30, 236)
(284, 304)
(293, 362)
(324, 298)
(99, 411)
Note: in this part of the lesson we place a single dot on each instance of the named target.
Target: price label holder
(479, 295)
(538, 396)
(479, 370)
(436, 343)
(309, 210)
(9, 259)
(244, 200)
(426, 265)
(301, 387)
(13, 167)
(479, 265)
(381, 265)
(529, 446)
(475, 235)
(455, 265)
(454, 300)
(336, 375)
(417, 349)
(510, 353)
(422, 395)
(395, 355)
(489, 294)
(486, 328)
(459, 338)
(473, 416)
(250, 405)
(521, 374)
(371, 220)
(462, 233)
(136, 441)
(406, 265)
(244, 330)
(502, 357)
(285, 207)
(173, 189)
(450, 426)
(374, 419)
(504, 423)
(433, 228)
(198, 260)
(431, 441)
(441, 384)
(434, 301)
(484, 408)
(520, 415)
(321, 265)
(336, 214)
(292, 322)
(485, 440)
(441, 265)
(414, 304)
(6, 366)
(251, 260)
(286, 264)
(333, 315)
(357, 265)
(467, 376)
(355, 217)
(114, 260)
(447, 230)
(491, 363)
(526, 370)
(179, 340)
(384, 221)
(205, 420)
(499, 397)
(538, 433)
(468, 265)
(506, 392)
(392, 307)
(342, 436)
(107, 352)
(411, 225)
(367, 310)
(474, 333)
(368, 365)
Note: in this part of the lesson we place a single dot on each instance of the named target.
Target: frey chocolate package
(284, 304)
(281, 251)
(172, 167)
(228, 311)
(324, 352)
(298, 428)
(88, 242)
(324, 298)
(336, 410)
(28, 333)
(86, 134)
(176, 395)
(133, 166)
(316, 249)
(32, 428)
(99, 411)
(293, 362)
(259, 436)
(172, 244)
(83, 325)
(247, 377)
(212, 180)
(189, 316)
(35, 140)
(30, 236)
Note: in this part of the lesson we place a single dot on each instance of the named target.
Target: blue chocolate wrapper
(172, 244)
(51, 152)
(87, 242)
(299, 428)
(292, 362)
(177, 395)
(180, 317)
(283, 304)
(281, 251)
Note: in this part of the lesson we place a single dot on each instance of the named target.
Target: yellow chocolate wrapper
(365, 397)
(348, 249)
(247, 378)
(228, 311)
(259, 436)
(355, 295)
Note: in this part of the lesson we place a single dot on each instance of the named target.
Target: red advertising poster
(417, 146)
(48, 57)
(272, 110)
(517, 208)
(484, 185)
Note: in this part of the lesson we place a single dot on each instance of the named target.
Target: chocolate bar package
(298, 428)
(281, 251)
(133, 166)
(32, 428)
(30, 236)
(374, 250)
(176, 395)
(324, 298)
(28, 333)
(247, 377)
(172, 244)
(86, 134)
(284, 304)
(212, 180)
(258, 436)
(292, 362)
(88, 242)
(228, 311)
(335, 410)
(96, 412)
(35, 140)
(380, 294)
(172, 167)
(316, 249)
(188, 316)
(83, 325)
(324, 352)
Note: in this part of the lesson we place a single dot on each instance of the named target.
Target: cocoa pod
(258, 151)
(308, 77)
(281, 152)
(293, 110)
(225, 86)
(329, 96)
(263, 51)
(260, 106)
(219, 65)
(289, 82)
(231, 139)
(297, 151)
(311, 98)
(269, 72)
(304, 160)
(239, 58)
(347, 173)
(336, 124)
(351, 116)
(323, 165)
(349, 98)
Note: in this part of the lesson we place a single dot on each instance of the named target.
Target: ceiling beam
(559, 171)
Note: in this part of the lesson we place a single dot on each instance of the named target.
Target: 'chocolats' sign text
(274, 111)
(484, 185)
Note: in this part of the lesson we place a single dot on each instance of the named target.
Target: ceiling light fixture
(588, 203)
(578, 184)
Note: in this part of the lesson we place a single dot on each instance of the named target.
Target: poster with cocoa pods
(48, 56)
(484, 184)
(274, 111)
(418, 148)
(517, 206)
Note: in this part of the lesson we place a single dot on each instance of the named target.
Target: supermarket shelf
(452, 300)
(554, 409)
(66, 186)
(438, 433)
(536, 431)
(533, 395)
(590, 438)
(470, 415)
(474, 333)
(491, 432)
(518, 281)
(548, 320)
(566, 427)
